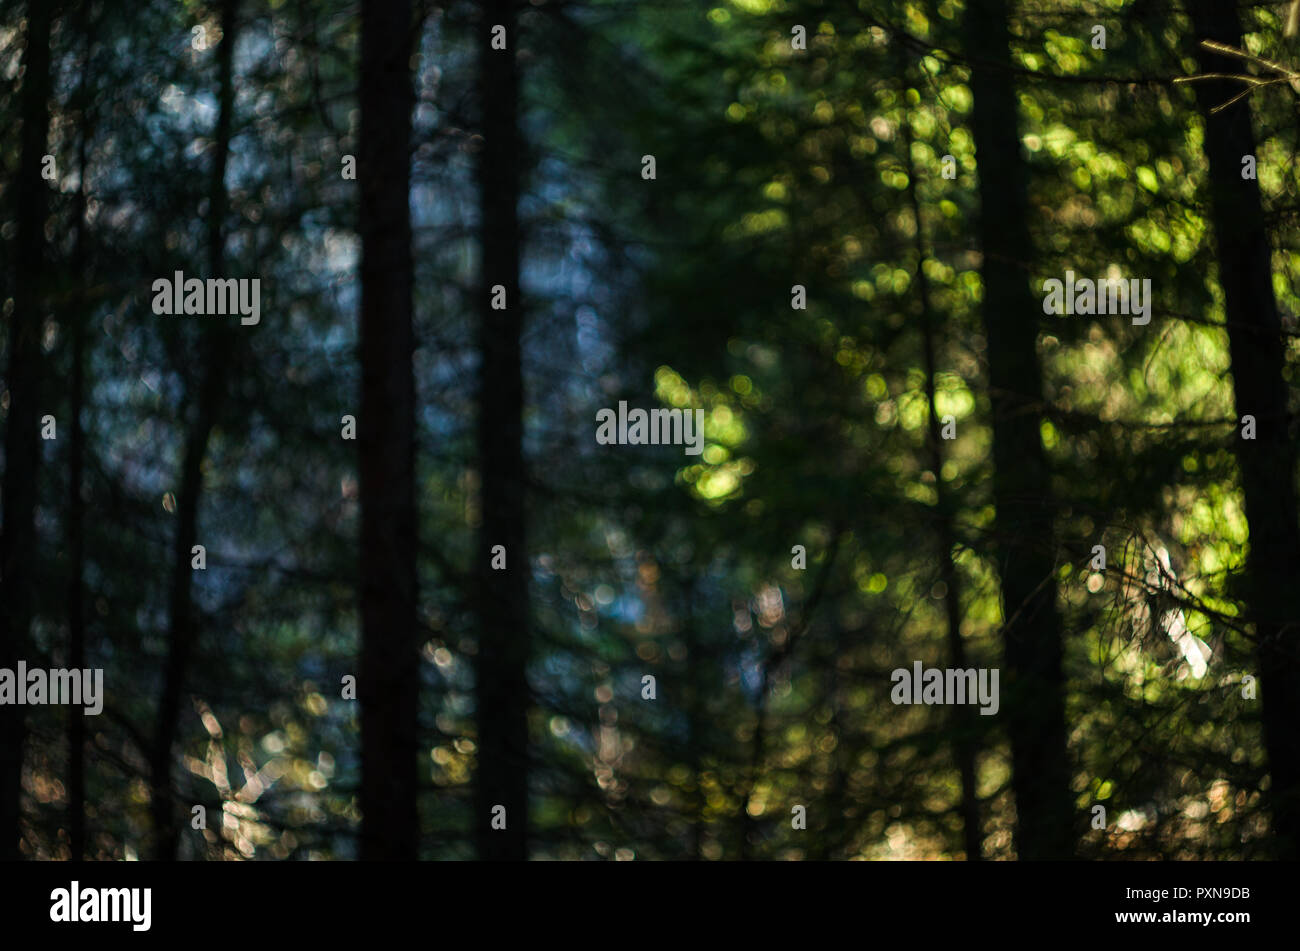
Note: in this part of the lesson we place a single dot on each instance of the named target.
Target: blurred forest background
(794, 143)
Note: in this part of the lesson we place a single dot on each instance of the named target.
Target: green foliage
(776, 167)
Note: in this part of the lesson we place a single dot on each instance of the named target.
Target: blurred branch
(1285, 73)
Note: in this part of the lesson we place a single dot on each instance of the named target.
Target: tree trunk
(22, 445)
(1033, 682)
(1268, 462)
(388, 686)
(964, 723)
(695, 679)
(216, 346)
(502, 778)
(76, 534)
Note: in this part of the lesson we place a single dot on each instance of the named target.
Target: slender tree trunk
(390, 640)
(757, 754)
(216, 346)
(829, 845)
(1268, 463)
(502, 659)
(694, 675)
(1033, 681)
(22, 446)
(963, 717)
(76, 534)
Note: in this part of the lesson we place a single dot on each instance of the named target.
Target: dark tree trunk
(502, 595)
(22, 445)
(694, 676)
(216, 347)
(964, 722)
(1033, 682)
(76, 534)
(1268, 462)
(388, 686)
